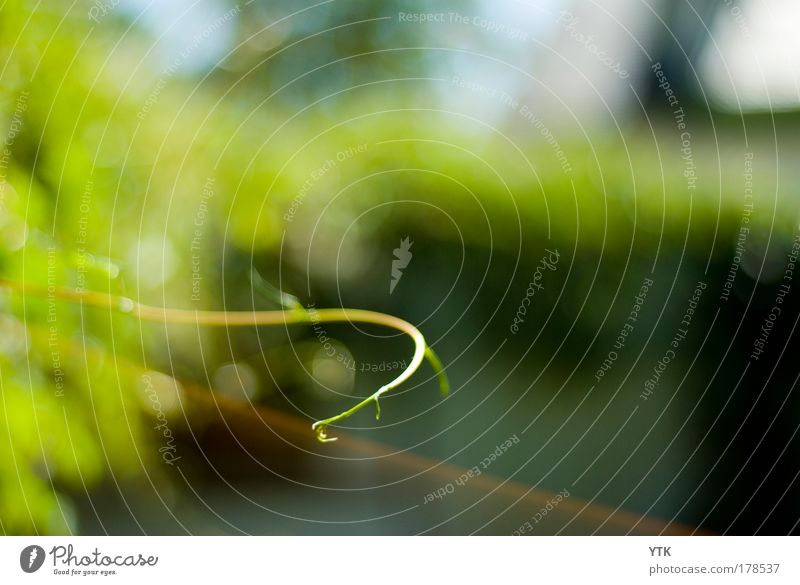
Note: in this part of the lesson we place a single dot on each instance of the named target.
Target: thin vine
(293, 313)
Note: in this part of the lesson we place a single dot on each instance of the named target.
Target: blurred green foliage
(110, 156)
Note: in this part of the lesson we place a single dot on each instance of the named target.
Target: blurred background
(601, 202)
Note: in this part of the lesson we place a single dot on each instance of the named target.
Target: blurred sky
(752, 60)
(176, 23)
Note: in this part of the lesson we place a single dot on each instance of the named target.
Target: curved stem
(294, 316)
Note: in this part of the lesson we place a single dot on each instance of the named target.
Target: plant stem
(293, 316)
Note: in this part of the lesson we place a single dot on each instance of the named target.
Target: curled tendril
(293, 314)
(322, 433)
(422, 352)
